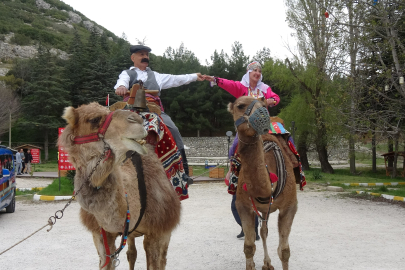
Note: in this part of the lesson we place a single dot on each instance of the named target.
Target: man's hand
(200, 77)
(122, 91)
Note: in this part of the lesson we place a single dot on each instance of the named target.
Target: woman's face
(255, 75)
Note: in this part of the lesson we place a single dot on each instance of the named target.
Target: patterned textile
(303, 182)
(235, 168)
(168, 153)
(154, 99)
(277, 128)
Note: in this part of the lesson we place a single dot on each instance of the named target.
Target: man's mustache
(145, 60)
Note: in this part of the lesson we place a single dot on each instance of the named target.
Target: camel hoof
(267, 267)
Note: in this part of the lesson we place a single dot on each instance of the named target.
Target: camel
(254, 183)
(113, 185)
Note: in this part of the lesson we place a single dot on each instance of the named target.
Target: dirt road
(328, 233)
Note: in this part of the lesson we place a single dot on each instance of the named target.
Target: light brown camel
(102, 198)
(254, 174)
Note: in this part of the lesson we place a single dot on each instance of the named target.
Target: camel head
(125, 132)
(250, 115)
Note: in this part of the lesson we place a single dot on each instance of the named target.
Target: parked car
(7, 179)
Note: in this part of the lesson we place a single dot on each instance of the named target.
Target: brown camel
(102, 196)
(254, 174)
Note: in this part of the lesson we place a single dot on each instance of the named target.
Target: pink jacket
(237, 89)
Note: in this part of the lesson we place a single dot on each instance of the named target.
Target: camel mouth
(137, 145)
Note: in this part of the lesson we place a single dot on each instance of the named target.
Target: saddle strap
(281, 170)
(137, 162)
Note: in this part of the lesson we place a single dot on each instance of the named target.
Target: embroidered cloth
(168, 153)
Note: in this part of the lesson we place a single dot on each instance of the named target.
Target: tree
(9, 107)
(45, 98)
(317, 42)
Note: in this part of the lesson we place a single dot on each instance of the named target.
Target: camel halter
(94, 137)
(259, 120)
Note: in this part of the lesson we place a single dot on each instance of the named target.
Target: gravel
(329, 232)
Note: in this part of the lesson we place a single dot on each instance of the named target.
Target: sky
(203, 26)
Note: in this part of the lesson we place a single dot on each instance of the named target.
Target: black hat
(135, 48)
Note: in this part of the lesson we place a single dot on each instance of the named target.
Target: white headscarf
(246, 81)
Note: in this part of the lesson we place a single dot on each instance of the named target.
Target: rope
(49, 224)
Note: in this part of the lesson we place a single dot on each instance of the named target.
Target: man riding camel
(155, 81)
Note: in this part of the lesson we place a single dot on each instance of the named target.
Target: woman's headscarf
(246, 81)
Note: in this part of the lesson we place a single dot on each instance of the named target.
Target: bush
(383, 189)
(71, 176)
(20, 40)
(316, 175)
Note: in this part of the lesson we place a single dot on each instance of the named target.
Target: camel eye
(241, 106)
(94, 120)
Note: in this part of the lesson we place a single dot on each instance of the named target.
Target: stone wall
(215, 150)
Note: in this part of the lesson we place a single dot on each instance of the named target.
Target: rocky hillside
(25, 23)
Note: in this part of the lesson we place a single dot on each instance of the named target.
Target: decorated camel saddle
(146, 103)
(284, 142)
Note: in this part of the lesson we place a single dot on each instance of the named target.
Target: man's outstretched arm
(166, 81)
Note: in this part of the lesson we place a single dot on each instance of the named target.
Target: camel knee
(284, 254)
(249, 251)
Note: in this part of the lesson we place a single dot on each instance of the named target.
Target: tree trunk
(352, 155)
(46, 145)
(374, 152)
(390, 149)
(394, 169)
(302, 150)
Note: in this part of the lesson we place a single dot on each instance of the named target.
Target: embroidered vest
(150, 83)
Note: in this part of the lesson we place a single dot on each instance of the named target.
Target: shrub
(383, 189)
(316, 175)
(20, 40)
(71, 176)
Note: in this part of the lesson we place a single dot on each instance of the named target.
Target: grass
(50, 166)
(365, 175)
(66, 188)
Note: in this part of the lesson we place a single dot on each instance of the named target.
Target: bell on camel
(140, 99)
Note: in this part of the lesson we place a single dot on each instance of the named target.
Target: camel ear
(70, 116)
(230, 107)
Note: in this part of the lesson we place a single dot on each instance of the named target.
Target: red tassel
(273, 177)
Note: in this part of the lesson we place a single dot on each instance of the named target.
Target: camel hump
(276, 119)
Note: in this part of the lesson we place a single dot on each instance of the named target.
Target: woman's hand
(271, 102)
(209, 78)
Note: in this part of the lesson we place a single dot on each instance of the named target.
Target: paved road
(329, 233)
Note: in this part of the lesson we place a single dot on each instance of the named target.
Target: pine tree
(45, 98)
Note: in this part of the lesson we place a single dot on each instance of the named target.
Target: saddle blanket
(168, 153)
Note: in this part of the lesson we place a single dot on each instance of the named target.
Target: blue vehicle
(7, 179)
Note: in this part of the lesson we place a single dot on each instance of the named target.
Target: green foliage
(316, 175)
(20, 39)
(71, 176)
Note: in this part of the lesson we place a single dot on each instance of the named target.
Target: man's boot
(185, 166)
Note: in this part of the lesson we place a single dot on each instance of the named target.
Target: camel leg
(131, 253)
(99, 244)
(248, 224)
(156, 250)
(285, 220)
(264, 232)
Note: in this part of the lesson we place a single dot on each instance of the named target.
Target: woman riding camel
(250, 85)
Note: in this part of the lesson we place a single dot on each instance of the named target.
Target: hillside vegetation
(51, 23)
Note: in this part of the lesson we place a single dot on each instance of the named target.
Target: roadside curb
(28, 189)
(388, 197)
(51, 198)
(374, 184)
